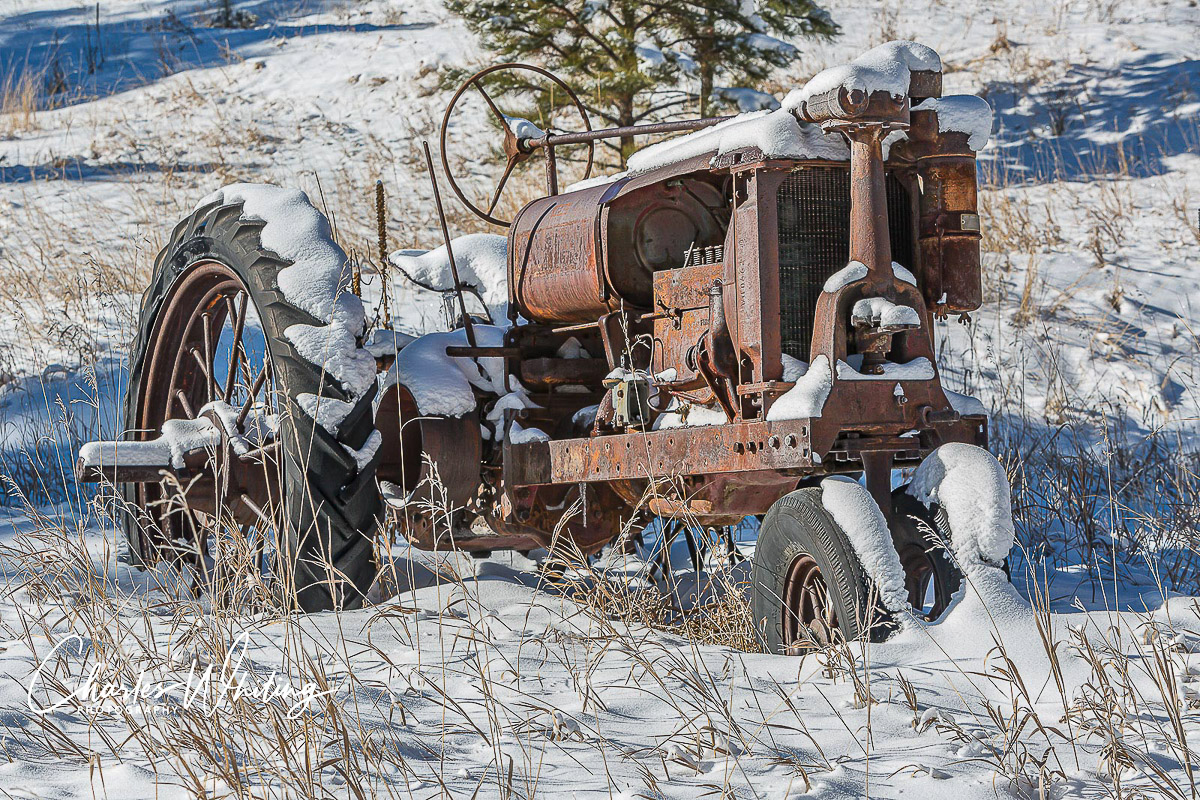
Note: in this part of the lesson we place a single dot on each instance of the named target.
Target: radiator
(814, 242)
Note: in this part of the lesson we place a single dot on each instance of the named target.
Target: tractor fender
(431, 465)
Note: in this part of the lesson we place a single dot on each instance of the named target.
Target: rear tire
(809, 587)
(331, 504)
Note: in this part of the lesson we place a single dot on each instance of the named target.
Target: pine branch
(596, 47)
(687, 97)
(581, 26)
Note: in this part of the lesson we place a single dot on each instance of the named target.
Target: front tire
(921, 536)
(810, 589)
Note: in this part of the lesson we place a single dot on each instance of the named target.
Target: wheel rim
(809, 617)
(207, 348)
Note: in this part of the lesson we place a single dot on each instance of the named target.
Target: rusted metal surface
(588, 516)
(716, 358)
(869, 240)
(717, 325)
(397, 421)
(841, 106)
(554, 261)
(649, 129)
(179, 377)
(809, 616)
(654, 228)
(923, 84)
(577, 256)
(736, 447)
(949, 217)
(877, 475)
(680, 321)
(751, 257)
(544, 373)
(437, 467)
(739, 447)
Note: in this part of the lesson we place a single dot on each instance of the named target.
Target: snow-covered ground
(482, 679)
(486, 678)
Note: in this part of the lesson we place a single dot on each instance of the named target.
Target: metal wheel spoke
(236, 356)
(255, 509)
(254, 390)
(246, 375)
(812, 603)
(197, 518)
(177, 373)
(260, 453)
(809, 614)
(213, 386)
(214, 390)
(182, 399)
(508, 170)
(830, 615)
(487, 99)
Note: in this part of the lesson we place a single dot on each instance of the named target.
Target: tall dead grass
(334, 742)
(1121, 501)
(20, 100)
(387, 726)
(1105, 476)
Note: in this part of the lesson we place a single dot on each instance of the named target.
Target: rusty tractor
(701, 339)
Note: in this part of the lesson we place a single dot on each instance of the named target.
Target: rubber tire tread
(333, 506)
(905, 530)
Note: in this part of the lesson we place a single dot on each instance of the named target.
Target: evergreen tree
(635, 62)
(735, 41)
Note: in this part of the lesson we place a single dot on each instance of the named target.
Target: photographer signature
(206, 690)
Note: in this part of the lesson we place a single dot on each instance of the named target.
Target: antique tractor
(704, 338)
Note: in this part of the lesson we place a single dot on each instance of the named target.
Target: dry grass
(20, 100)
(253, 748)
(68, 290)
(718, 613)
(1083, 479)
(1014, 225)
(1135, 707)
(1187, 212)
(1117, 505)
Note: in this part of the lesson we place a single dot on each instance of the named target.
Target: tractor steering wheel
(516, 149)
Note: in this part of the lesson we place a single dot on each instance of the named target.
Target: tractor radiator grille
(814, 243)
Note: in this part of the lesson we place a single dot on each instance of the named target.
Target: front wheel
(922, 539)
(810, 588)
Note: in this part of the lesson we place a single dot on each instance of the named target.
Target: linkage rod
(556, 139)
(437, 197)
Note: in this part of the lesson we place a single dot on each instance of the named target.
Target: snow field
(482, 674)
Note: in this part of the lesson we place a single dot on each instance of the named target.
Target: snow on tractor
(717, 333)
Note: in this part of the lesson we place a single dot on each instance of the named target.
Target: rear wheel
(281, 508)
(810, 589)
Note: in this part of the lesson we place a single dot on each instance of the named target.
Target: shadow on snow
(77, 60)
(1096, 121)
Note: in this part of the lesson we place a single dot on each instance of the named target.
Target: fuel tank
(555, 265)
(576, 256)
